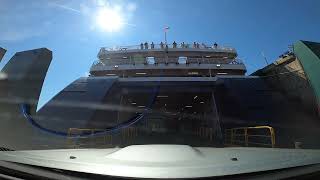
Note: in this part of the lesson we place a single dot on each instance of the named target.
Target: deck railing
(166, 61)
(215, 48)
(251, 136)
(164, 46)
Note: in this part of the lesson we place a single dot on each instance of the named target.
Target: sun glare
(109, 20)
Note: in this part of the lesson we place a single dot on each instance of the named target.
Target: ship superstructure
(168, 60)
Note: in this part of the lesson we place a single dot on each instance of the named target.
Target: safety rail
(245, 136)
(166, 61)
(204, 132)
(164, 46)
(75, 141)
(129, 133)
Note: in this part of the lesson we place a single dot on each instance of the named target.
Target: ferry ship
(158, 93)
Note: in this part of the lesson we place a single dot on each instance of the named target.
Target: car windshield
(116, 73)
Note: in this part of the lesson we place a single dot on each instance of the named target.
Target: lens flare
(109, 20)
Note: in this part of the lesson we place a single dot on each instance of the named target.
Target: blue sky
(69, 29)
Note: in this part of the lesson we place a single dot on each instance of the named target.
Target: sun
(109, 20)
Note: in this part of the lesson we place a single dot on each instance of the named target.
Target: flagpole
(166, 28)
(165, 37)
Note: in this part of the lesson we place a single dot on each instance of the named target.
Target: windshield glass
(115, 73)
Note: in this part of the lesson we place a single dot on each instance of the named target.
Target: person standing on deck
(174, 44)
(215, 45)
(146, 46)
(161, 45)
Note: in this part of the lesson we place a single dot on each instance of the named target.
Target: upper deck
(170, 59)
(186, 49)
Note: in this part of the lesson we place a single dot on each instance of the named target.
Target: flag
(166, 28)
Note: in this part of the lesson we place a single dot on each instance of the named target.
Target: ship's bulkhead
(175, 113)
(198, 113)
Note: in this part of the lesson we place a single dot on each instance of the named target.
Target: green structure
(308, 54)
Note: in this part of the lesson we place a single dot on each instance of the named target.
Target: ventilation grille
(5, 149)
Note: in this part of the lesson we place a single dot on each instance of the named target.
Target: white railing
(167, 61)
(164, 46)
